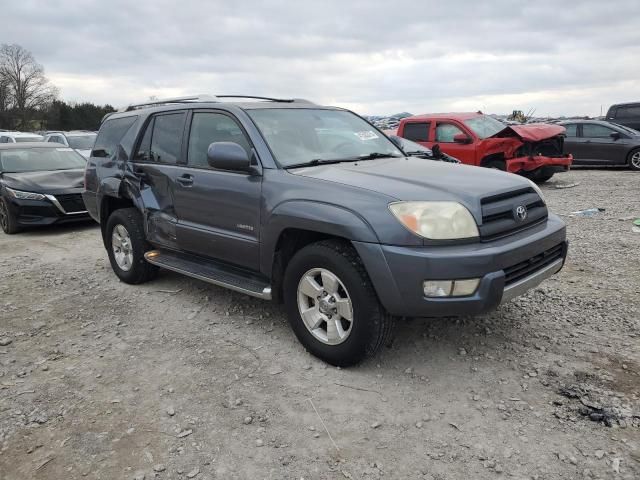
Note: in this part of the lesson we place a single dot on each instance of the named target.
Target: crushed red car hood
(533, 132)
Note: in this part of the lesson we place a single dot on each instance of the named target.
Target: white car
(19, 137)
(81, 141)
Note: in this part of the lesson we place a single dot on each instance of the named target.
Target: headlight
(24, 195)
(436, 220)
(538, 190)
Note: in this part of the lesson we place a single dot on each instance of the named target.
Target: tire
(8, 222)
(496, 164)
(370, 326)
(133, 269)
(633, 160)
(541, 178)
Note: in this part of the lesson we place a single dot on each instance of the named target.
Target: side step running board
(211, 272)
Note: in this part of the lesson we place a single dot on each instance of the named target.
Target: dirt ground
(178, 379)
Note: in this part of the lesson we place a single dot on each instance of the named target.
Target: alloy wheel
(635, 160)
(325, 306)
(122, 248)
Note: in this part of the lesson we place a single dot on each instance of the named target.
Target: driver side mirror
(616, 135)
(228, 156)
(461, 138)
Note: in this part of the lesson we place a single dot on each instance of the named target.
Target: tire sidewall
(130, 220)
(354, 348)
(11, 221)
(629, 164)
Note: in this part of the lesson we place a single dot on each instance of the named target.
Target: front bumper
(42, 212)
(535, 162)
(507, 267)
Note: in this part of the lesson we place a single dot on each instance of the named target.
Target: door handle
(185, 180)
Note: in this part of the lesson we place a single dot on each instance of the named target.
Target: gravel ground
(178, 379)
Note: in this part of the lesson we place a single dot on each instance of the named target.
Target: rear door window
(166, 139)
(572, 129)
(110, 135)
(417, 132)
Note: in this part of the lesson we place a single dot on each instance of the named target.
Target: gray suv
(315, 207)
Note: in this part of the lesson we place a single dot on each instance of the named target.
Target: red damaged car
(533, 150)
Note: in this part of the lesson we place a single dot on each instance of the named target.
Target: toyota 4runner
(315, 207)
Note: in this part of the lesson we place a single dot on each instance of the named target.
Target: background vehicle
(627, 114)
(40, 184)
(81, 141)
(19, 137)
(535, 151)
(597, 142)
(315, 207)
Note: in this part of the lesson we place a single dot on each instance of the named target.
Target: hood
(56, 181)
(418, 179)
(532, 132)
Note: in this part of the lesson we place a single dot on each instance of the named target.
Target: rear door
(417, 132)
(444, 134)
(572, 142)
(600, 147)
(157, 165)
(218, 210)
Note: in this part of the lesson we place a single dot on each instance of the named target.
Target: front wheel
(634, 159)
(332, 306)
(126, 246)
(8, 222)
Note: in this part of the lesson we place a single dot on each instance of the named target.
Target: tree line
(29, 101)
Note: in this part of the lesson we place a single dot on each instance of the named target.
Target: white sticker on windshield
(64, 149)
(366, 135)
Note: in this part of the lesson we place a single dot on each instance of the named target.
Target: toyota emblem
(521, 213)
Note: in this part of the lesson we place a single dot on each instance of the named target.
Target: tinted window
(446, 131)
(144, 149)
(594, 130)
(166, 139)
(417, 132)
(207, 128)
(631, 111)
(572, 129)
(111, 132)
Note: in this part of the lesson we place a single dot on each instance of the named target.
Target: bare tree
(27, 88)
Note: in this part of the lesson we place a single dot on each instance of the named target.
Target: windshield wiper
(318, 161)
(374, 155)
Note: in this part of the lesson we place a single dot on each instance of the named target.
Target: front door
(444, 134)
(156, 164)
(599, 146)
(218, 211)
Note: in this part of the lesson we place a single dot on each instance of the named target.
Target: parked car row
(80, 140)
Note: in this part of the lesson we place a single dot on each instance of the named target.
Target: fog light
(462, 288)
(437, 288)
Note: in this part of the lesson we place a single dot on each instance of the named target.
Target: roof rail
(271, 99)
(164, 101)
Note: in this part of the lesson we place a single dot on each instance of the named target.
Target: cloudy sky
(374, 56)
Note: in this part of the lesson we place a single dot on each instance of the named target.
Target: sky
(372, 56)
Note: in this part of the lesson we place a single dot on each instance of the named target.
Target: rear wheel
(634, 159)
(8, 222)
(332, 306)
(126, 246)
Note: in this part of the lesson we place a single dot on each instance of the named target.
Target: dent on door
(156, 193)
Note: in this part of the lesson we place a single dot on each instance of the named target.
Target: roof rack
(164, 101)
(271, 99)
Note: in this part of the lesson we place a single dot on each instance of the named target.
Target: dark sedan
(596, 142)
(40, 184)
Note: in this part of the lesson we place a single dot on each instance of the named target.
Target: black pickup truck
(313, 206)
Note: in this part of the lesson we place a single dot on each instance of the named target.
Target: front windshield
(297, 136)
(28, 139)
(484, 126)
(82, 142)
(39, 159)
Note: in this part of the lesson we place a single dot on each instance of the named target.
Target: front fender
(313, 216)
